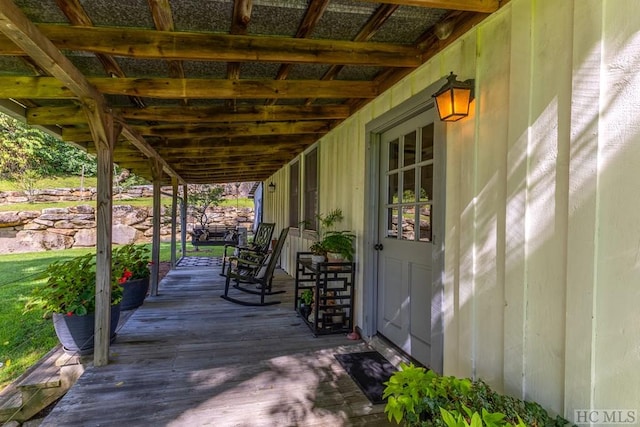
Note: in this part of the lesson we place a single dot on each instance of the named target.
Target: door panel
(405, 263)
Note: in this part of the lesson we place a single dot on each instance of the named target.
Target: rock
(85, 238)
(124, 234)
(10, 219)
(27, 215)
(65, 232)
(44, 222)
(8, 233)
(129, 215)
(36, 241)
(75, 223)
(82, 209)
(35, 226)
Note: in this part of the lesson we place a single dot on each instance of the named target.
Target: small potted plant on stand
(306, 298)
(131, 264)
(68, 295)
(330, 241)
(318, 253)
(339, 245)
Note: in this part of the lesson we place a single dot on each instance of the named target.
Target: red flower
(126, 275)
(70, 313)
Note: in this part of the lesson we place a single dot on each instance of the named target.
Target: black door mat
(369, 370)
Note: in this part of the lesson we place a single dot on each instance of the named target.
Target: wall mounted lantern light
(453, 99)
(271, 187)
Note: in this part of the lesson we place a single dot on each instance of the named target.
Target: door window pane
(409, 186)
(392, 223)
(425, 223)
(394, 155)
(393, 188)
(426, 183)
(427, 143)
(408, 223)
(410, 148)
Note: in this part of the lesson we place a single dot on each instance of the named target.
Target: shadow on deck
(188, 357)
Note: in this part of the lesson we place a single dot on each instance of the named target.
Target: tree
(201, 197)
(25, 148)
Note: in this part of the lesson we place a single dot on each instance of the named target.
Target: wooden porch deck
(189, 358)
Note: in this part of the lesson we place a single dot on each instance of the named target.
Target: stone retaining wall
(74, 194)
(75, 227)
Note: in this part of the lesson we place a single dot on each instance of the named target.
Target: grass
(52, 182)
(26, 337)
(138, 202)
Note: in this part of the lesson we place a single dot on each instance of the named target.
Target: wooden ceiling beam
(214, 142)
(52, 88)
(485, 6)
(220, 130)
(73, 115)
(153, 44)
(216, 152)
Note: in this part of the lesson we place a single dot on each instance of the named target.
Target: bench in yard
(214, 235)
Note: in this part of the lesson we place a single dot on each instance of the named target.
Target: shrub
(423, 398)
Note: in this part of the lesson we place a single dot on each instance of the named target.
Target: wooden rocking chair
(260, 244)
(250, 269)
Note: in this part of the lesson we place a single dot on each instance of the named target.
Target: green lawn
(26, 337)
(53, 182)
(143, 201)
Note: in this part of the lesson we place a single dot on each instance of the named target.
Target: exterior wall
(542, 261)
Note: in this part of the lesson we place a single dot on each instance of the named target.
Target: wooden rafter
(239, 23)
(485, 6)
(314, 12)
(152, 44)
(380, 16)
(75, 13)
(73, 115)
(221, 130)
(49, 87)
(163, 20)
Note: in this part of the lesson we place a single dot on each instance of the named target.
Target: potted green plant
(306, 298)
(331, 243)
(339, 245)
(68, 295)
(318, 252)
(131, 265)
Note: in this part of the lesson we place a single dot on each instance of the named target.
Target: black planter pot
(305, 310)
(75, 333)
(133, 293)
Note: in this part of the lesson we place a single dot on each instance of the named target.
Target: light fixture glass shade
(271, 187)
(453, 99)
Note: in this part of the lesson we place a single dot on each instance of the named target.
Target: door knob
(378, 247)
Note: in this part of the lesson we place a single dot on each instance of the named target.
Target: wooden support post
(183, 220)
(105, 133)
(156, 170)
(174, 219)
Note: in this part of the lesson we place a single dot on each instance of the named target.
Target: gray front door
(405, 262)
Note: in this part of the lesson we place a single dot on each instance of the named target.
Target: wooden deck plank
(188, 357)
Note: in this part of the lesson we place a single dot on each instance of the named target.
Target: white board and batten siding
(542, 260)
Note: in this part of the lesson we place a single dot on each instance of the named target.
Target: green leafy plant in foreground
(70, 287)
(420, 397)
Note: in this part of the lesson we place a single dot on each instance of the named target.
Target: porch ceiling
(217, 91)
